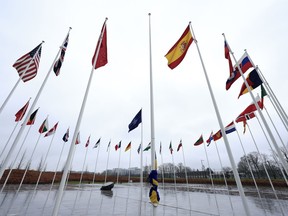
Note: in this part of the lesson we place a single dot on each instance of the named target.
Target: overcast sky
(183, 107)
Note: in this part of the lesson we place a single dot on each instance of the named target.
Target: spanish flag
(177, 53)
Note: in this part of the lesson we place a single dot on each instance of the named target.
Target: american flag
(28, 64)
(59, 62)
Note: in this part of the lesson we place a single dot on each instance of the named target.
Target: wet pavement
(125, 199)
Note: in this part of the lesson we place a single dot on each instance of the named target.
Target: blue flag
(136, 121)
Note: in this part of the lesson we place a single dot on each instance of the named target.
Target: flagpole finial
(189, 22)
(43, 41)
(70, 27)
(106, 18)
(149, 14)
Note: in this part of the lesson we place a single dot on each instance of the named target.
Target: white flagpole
(141, 159)
(231, 158)
(107, 162)
(151, 102)
(16, 84)
(175, 185)
(94, 175)
(186, 177)
(2, 169)
(99, 146)
(69, 158)
(80, 182)
(129, 164)
(211, 177)
(117, 181)
(284, 162)
(229, 195)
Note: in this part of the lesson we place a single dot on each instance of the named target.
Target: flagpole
(80, 182)
(141, 165)
(229, 195)
(186, 176)
(129, 164)
(284, 162)
(107, 162)
(2, 169)
(16, 84)
(69, 158)
(212, 182)
(151, 101)
(117, 181)
(175, 185)
(231, 158)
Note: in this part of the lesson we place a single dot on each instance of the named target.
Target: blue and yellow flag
(153, 193)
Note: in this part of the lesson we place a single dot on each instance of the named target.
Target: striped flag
(230, 128)
(59, 62)
(27, 66)
(199, 141)
(52, 130)
(128, 147)
(44, 127)
(177, 53)
(19, 115)
(32, 118)
(108, 145)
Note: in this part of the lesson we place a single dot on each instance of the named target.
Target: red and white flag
(102, 54)
(19, 115)
(77, 141)
(52, 130)
(27, 66)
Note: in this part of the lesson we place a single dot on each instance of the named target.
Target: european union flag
(136, 121)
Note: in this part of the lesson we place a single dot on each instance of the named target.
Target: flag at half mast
(135, 121)
(27, 66)
(177, 53)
